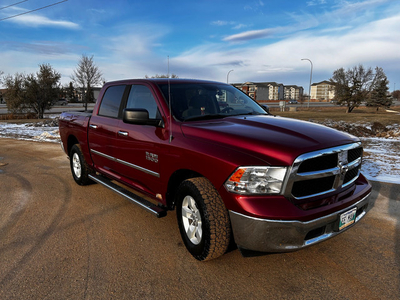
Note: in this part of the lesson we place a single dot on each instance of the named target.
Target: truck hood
(274, 140)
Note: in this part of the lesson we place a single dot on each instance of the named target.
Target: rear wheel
(203, 219)
(79, 167)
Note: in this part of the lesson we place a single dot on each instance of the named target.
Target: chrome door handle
(122, 133)
(93, 126)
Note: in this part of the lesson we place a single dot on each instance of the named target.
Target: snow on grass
(40, 132)
(381, 160)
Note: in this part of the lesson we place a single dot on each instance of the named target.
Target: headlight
(256, 180)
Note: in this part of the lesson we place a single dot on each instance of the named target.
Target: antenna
(170, 106)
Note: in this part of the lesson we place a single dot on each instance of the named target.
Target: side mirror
(265, 107)
(140, 116)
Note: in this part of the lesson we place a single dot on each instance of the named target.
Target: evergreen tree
(42, 90)
(71, 92)
(36, 92)
(379, 95)
(15, 93)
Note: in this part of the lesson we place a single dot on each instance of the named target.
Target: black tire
(79, 168)
(203, 219)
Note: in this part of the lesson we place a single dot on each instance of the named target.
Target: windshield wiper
(250, 113)
(207, 117)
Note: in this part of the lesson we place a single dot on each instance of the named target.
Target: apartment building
(293, 92)
(268, 91)
(322, 91)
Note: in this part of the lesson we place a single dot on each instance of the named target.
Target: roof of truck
(162, 81)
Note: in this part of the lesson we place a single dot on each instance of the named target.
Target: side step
(158, 211)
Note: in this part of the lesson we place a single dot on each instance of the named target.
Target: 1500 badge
(152, 157)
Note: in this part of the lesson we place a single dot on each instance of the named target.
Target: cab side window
(140, 96)
(109, 106)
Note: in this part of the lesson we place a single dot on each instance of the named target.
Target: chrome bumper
(266, 235)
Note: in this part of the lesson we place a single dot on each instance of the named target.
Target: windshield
(193, 101)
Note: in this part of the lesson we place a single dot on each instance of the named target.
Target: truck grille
(322, 172)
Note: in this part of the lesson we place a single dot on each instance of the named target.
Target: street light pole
(309, 87)
(227, 76)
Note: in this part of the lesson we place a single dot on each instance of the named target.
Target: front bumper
(267, 235)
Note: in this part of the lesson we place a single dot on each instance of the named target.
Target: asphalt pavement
(59, 240)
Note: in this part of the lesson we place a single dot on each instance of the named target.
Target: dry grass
(13, 117)
(362, 114)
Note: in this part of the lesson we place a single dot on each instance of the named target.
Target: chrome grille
(321, 172)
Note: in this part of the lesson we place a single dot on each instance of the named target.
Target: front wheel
(79, 167)
(203, 219)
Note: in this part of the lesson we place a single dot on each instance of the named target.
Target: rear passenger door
(140, 146)
(103, 127)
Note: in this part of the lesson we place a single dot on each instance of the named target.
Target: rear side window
(109, 106)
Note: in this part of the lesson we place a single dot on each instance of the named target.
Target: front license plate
(347, 218)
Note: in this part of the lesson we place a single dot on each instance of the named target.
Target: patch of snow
(42, 132)
(381, 160)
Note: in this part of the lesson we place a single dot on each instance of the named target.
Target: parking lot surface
(59, 240)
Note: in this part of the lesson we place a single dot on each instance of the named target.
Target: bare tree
(87, 75)
(163, 76)
(360, 84)
(396, 94)
(352, 86)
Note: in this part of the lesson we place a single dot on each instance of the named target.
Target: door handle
(122, 133)
(93, 126)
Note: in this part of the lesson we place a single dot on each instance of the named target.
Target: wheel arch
(72, 140)
(175, 180)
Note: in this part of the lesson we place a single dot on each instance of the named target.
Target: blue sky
(260, 40)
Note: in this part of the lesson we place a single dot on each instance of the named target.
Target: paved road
(55, 109)
(59, 240)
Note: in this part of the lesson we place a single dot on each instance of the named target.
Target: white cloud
(255, 6)
(373, 44)
(131, 52)
(350, 13)
(316, 2)
(136, 50)
(252, 34)
(219, 23)
(361, 5)
(240, 26)
(33, 20)
(235, 25)
(336, 29)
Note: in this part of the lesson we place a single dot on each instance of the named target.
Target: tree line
(39, 91)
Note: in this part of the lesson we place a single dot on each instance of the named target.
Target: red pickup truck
(231, 170)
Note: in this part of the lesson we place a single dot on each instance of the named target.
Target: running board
(158, 211)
